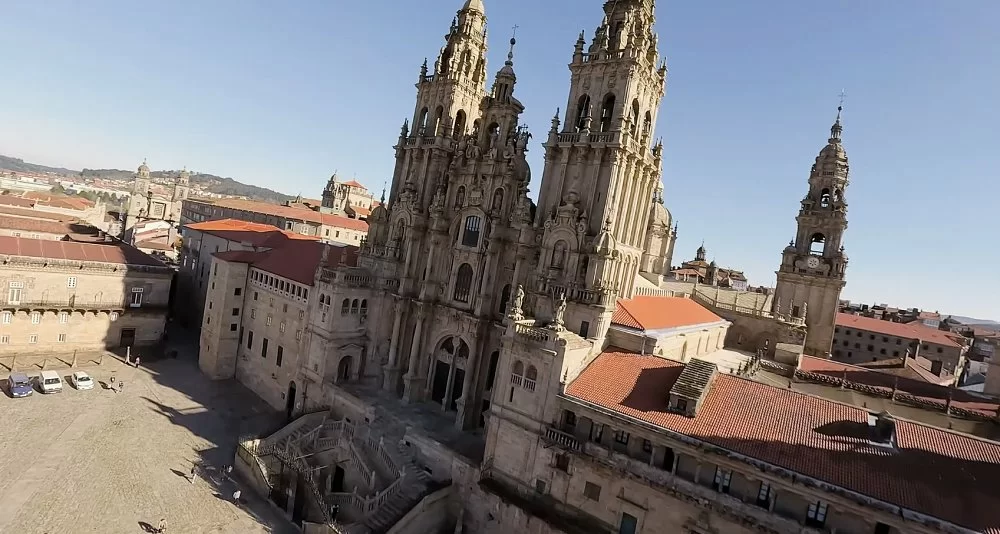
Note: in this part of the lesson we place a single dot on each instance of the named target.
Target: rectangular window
(232, 327)
(268, 321)
(647, 446)
(238, 291)
(14, 296)
(596, 432)
(539, 485)
(33, 338)
(62, 338)
(255, 295)
(236, 312)
(628, 524)
(284, 308)
(621, 437)
(722, 479)
(592, 491)
(4, 340)
(263, 348)
(253, 313)
(816, 514)
(764, 495)
(250, 339)
(281, 327)
(210, 305)
(136, 300)
(71, 282)
(36, 317)
(562, 462)
(63, 317)
(470, 238)
(298, 335)
(584, 328)
(7, 316)
(281, 353)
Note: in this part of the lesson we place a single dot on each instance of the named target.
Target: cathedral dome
(659, 215)
(379, 214)
(474, 5)
(143, 169)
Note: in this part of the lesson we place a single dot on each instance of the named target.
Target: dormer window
(470, 236)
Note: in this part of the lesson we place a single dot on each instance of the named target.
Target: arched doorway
(344, 369)
(449, 372)
(290, 400)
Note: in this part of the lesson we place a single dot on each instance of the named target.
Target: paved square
(105, 462)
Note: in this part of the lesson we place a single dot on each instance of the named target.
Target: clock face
(812, 262)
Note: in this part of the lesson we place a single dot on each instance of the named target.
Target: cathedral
(459, 241)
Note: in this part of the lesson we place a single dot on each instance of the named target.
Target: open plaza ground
(101, 461)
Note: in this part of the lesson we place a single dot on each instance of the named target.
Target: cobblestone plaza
(101, 461)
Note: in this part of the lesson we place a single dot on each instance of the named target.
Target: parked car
(81, 380)
(50, 382)
(20, 385)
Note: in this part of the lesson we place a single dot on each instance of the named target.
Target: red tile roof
(35, 214)
(296, 260)
(284, 212)
(339, 221)
(918, 388)
(44, 226)
(907, 331)
(655, 313)
(11, 200)
(932, 471)
(686, 272)
(256, 234)
(354, 183)
(59, 201)
(109, 252)
(362, 212)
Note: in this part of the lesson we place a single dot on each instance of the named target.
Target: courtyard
(107, 462)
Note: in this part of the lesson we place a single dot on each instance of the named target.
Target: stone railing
(604, 137)
(562, 439)
(390, 284)
(529, 384)
(534, 333)
(357, 280)
(517, 380)
(359, 464)
(373, 503)
(569, 138)
(377, 446)
(575, 293)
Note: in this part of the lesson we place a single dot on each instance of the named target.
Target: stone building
(814, 265)
(255, 319)
(147, 202)
(62, 296)
(709, 273)
(860, 339)
(520, 356)
(350, 199)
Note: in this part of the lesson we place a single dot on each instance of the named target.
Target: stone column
(450, 388)
(412, 379)
(391, 375)
(467, 406)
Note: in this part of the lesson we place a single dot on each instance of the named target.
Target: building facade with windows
(859, 340)
(61, 297)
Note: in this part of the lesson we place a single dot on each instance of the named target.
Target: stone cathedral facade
(458, 241)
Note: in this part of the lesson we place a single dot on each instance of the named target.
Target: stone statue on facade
(492, 153)
(805, 308)
(516, 311)
(558, 317)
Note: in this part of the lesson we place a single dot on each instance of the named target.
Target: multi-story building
(62, 296)
(860, 339)
(255, 319)
(709, 272)
(513, 351)
(350, 198)
(201, 241)
(292, 217)
(147, 203)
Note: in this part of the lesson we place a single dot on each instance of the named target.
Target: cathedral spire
(837, 129)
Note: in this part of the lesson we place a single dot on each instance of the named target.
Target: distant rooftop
(295, 260)
(658, 313)
(109, 252)
(907, 331)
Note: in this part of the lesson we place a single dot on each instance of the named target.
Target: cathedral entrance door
(440, 381)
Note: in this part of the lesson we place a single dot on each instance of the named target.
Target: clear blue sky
(282, 94)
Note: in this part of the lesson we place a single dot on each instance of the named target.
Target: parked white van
(50, 382)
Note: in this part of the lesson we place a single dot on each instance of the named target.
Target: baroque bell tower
(601, 215)
(813, 265)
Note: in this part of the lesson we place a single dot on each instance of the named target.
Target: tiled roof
(109, 252)
(339, 221)
(11, 200)
(59, 201)
(154, 244)
(912, 368)
(362, 212)
(256, 234)
(932, 471)
(918, 388)
(687, 272)
(908, 331)
(44, 226)
(295, 260)
(655, 313)
(254, 206)
(37, 214)
(354, 183)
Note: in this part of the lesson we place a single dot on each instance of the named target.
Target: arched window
(493, 131)
(354, 306)
(463, 283)
(607, 112)
(438, 118)
(497, 205)
(647, 124)
(460, 197)
(466, 64)
(400, 230)
(518, 369)
(559, 255)
(345, 307)
(470, 236)
(421, 121)
(531, 373)
(584, 265)
(504, 298)
(582, 112)
(817, 243)
(445, 60)
(459, 124)
(824, 198)
(634, 126)
(364, 307)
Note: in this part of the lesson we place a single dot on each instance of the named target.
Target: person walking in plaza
(121, 386)
(137, 361)
(162, 527)
(194, 469)
(236, 497)
(112, 382)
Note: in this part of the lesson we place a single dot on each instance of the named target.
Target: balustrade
(529, 384)
(562, 439)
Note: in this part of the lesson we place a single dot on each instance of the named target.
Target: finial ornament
(513, 41)
(381, 199)
(837, 129)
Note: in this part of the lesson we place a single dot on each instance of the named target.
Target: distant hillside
(981, 323)
(209, 182)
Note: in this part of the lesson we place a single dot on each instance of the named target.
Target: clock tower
(813, 265)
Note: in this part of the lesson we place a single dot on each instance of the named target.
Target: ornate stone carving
(516, 311)
(558, 320)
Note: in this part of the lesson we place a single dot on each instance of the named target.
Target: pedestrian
(162, 527)
(112, 381)
(121, 386)
(194, 468)
(236, 497)
(229, 470)
(137, 362)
